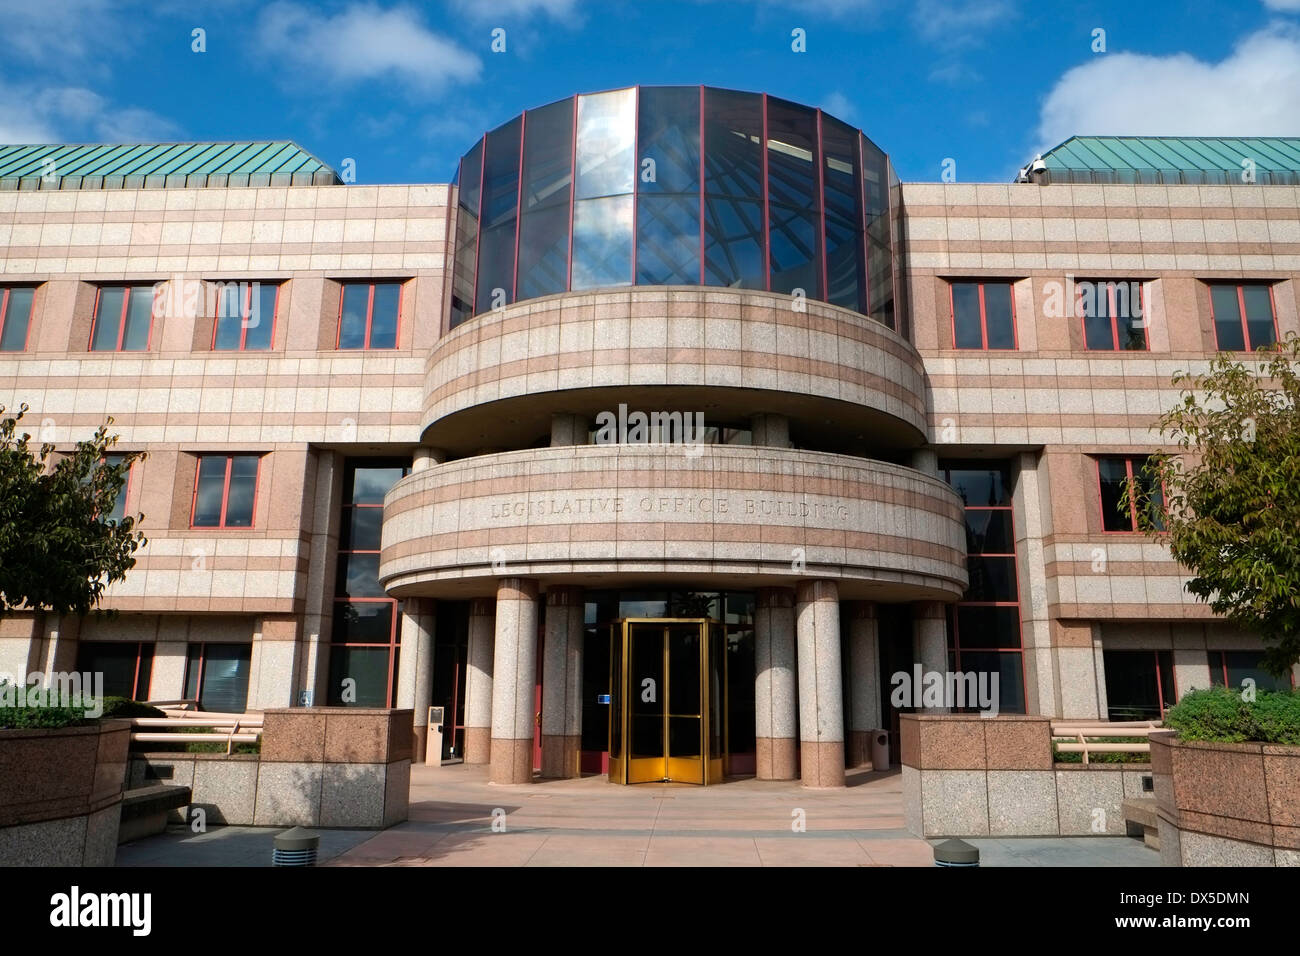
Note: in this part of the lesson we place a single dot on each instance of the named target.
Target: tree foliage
(1232, 493)
(58, 550)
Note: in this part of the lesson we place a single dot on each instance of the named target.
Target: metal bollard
(956, 853)
(296, 847)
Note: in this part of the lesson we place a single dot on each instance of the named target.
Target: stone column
(568, 429)
(774, 684)
(20, 645)
(426, 457)
(864, 681)
(770, 430)
(415, 668)
(514, 681)
(562, 682)
(167, 679)
(478, 682)
(926, 460)
(821, 703)
(271, 678)
(929, 645)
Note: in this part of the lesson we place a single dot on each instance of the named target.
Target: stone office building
(657, 443)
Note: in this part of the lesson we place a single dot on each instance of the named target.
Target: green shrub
(1221, 715)
(28, 717)
(41, 718)
(126, 707)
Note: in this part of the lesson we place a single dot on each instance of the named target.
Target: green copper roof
(1174, 159)
(154, 165)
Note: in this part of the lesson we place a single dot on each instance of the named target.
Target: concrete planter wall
(1221, 804)
(966, 775)
(319, 766)
(61, 794)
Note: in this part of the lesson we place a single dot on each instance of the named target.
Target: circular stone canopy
(674, 185)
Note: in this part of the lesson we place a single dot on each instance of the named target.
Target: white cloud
(839, 105)
(365, 42)
(1254, 91)
(483, 10)
(959, 23)
(58, 36)
(59, 114)
(1284, 6)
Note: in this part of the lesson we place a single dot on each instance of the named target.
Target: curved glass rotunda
(674, 185)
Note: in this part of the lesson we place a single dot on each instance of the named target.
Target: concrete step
(1140, 820)
(145, 810)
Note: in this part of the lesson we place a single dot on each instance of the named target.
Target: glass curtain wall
(674, 186)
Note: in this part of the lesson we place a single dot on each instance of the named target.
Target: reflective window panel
(547, 186)
(606, 136)
(668, 140)
(733, 243)
(668, 240)
(498, 215)
(602, 242)
(462, 289)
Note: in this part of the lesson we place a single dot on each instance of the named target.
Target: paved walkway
(459, 819)
(591, 822)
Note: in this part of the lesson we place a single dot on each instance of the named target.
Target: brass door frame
(706, 768)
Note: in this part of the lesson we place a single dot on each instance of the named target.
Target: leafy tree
(1232, 493)
(58, 550)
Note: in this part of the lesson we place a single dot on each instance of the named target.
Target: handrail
(1072, 736)
(229, 729)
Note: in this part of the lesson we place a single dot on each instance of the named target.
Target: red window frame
(125, 498)
(955, 646)
(4, 311)
(139, 657)
(1241, 312)
(1114, 320)
(202, 665)
(1223, 668)
(128, 290)
(394, 643)
(1130, 475)
(984, 325)
(225, 492)
(248, 306)
(370, 315)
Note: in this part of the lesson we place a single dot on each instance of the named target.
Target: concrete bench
(145, 809)
(1140, 820)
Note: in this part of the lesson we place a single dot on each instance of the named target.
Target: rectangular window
(368, 314)
(1113, 476)
(1113, 314)
(1234, 668)
(15, 317)
(1244, 317)
(126, 666)
(984, 625)
(224, 491)
(119, 506)
(123, 318)
(216, 675)
(983, 315)
(1139, 684)
(246, 313)
(365, 636)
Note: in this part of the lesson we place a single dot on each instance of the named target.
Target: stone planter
(346, 767)
(1221, 804)
(61, 794)
(966, 775)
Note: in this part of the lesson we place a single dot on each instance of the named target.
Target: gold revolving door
(667, 677)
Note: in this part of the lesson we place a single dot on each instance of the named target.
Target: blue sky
(404, 88)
